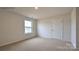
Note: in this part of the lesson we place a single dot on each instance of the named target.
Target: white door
(57, 29)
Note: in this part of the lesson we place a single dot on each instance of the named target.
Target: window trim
(28, 27)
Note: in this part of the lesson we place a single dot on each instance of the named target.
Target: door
(56, 28)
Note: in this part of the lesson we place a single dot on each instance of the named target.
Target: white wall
(67, 27)
(12, 28)
(49, 28)
(73, 27)
(55, 27)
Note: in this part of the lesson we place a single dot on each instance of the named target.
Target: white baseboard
(11, 42)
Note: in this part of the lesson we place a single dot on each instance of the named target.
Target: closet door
(56, 28)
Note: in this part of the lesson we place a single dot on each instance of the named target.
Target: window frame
(27, 27)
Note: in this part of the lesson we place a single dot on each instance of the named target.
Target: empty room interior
(39, 28)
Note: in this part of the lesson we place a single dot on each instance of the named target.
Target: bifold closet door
(57, 28)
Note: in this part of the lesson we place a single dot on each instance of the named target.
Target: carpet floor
(39, 44)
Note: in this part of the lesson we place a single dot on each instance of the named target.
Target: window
(28, 26)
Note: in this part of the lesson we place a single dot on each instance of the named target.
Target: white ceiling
(42, 12)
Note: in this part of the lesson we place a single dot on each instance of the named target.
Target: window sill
(27, 33)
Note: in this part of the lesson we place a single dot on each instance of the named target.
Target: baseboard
(56, 39)
(9, 43)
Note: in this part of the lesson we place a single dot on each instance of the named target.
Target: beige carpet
(39, 44)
